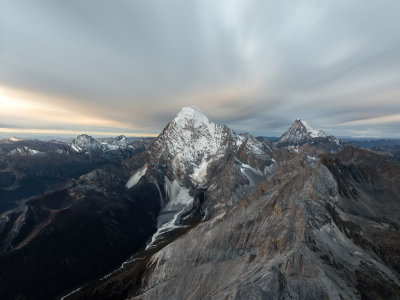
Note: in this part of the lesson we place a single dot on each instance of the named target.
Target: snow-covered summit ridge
(191, 115)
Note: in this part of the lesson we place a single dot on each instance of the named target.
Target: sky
(128, 66)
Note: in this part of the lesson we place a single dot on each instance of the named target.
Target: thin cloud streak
(377, 120)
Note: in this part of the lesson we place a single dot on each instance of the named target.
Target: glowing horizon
(61, 132)
(33, 108)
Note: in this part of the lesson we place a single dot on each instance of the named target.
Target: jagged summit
(85, 143)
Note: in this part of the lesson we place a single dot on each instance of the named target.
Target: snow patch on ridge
(135, 178)
(76, 148)
(199, 173)
(25, 150)
(251, 173)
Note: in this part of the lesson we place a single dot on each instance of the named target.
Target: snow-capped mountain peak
(300, 131)
(190, 142)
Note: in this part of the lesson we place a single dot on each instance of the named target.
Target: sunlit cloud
(22, 109)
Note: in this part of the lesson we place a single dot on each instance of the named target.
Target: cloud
(377, 120)
(252, 64)
(25, 109)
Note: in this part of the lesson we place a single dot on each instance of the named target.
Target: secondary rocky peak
(85, 138)
(300, 132)
(84, 143)
(301, 125)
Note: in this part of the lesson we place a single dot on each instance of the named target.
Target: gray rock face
(290, 238)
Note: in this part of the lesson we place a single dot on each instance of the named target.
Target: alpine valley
(199, 212)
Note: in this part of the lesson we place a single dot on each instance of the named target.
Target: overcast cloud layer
(129, 66)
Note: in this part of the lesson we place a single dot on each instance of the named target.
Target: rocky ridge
(87, 144)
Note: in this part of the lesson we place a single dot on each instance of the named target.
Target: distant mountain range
(202, 212)
(32, 167)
